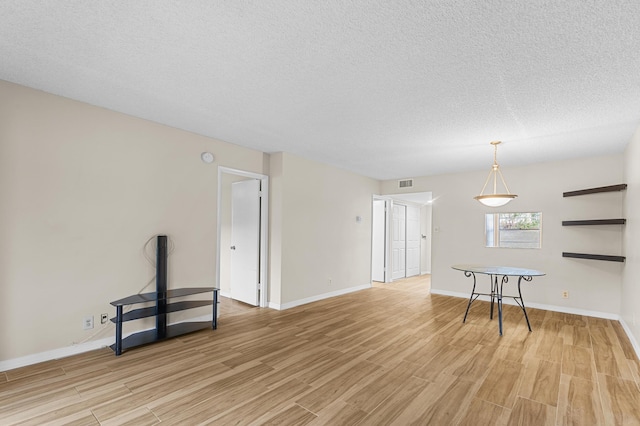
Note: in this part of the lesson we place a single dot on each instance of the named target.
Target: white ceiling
(387, 89)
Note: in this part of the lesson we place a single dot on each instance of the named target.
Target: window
(513, 230)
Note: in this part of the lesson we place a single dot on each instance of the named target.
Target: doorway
(401, 236)
(241, 259)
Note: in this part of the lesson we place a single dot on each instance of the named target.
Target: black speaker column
(161, 286)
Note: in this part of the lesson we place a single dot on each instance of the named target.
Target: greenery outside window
(513, 230)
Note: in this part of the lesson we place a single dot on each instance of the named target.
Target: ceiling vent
(405, 183)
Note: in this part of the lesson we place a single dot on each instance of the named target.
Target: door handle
(233, 247)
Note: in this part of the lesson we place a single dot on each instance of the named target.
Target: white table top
(499, 270)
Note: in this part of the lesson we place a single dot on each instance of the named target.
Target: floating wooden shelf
(594, 222)
(611, 188)
(594, 257)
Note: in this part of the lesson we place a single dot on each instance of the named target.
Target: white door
(398, 247)
(378, 241)
(245, 240)
(413, 241)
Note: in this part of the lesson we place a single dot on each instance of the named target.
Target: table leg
(522, 300)
(504, 280)
(494, 289)
(473, 291)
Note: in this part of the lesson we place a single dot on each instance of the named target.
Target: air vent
(405, 183)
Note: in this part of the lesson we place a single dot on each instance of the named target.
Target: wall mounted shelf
(610, 188)
(594, 222)
(594, 257)
(591, 222)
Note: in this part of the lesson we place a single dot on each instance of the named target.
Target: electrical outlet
(87, 322)
(565, 294)
(104, 318)
(329, 281)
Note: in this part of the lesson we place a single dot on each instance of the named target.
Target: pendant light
(495, 199)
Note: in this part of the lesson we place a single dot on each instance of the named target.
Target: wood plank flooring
(390, 355)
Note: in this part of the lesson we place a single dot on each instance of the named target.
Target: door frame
(374, 233)
(264, 228)
(388, 207)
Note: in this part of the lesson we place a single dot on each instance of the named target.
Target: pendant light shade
(496, 199)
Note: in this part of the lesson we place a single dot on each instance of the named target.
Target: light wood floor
(389, 355)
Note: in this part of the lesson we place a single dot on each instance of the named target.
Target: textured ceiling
(387, 89)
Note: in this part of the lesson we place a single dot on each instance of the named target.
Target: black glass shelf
(151, 336)
(152, 311)
(152, 297)
(161, 308)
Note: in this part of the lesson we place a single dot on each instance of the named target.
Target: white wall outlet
(87, 322)
(104, 318)
(565, 294)
(329, 281)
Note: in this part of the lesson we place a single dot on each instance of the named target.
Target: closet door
(413, 241)
(399, 242)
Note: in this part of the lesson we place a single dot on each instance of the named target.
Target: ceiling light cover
(495, 199)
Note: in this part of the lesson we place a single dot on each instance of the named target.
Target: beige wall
(314, 209)
(593, 285)
(276, 214)
(81, 190)
(631, 276)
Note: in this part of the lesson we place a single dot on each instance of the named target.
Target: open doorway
(401, 236)
(241, 261)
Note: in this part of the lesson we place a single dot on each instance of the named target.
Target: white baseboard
(22, 361)
(92, 345)
(554, 308)
(311, 299)
(631, 337)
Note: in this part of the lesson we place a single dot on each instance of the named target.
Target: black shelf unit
(161, 308)
(595, 222)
